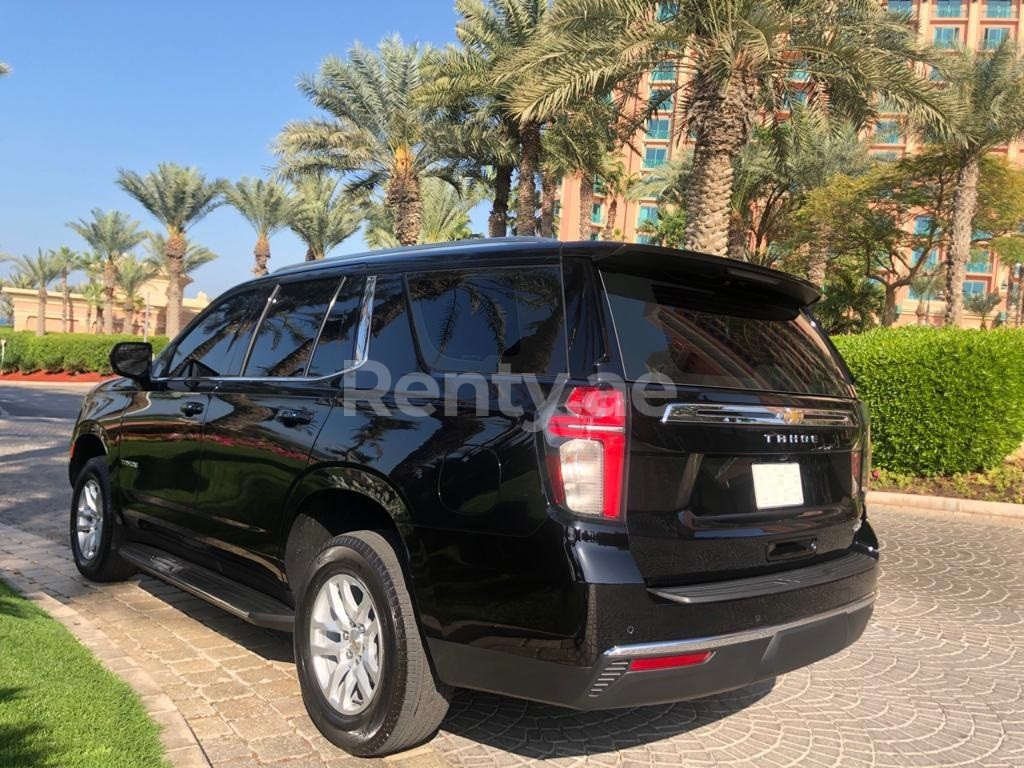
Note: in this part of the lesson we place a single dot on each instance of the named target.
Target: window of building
(667, 10)
(887, 132)
(661, 101)
(655, 156)
(666, 70)
(793, 97)
(645, 239)
(336, 349)
(999, 9)
(949, 9)
(289, 329)
(648, 215)
(931, 262)
(217, 344)
(946, 37)
(657, 128)
(993, 37)
(975, 288)
(510, 319)
(980, 263)
(595, 213)
(595, 235)
(923, 225)
(900, 6)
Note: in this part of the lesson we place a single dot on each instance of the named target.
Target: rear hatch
(745, 456)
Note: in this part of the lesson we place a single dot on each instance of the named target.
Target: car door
(261, 426)
(162, 429)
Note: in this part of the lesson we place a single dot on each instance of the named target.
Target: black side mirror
(132, 359)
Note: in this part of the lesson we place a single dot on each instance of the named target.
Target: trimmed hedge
(70, 352)
(942, 400)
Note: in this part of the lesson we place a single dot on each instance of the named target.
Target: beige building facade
(148, 318)
(975, 24)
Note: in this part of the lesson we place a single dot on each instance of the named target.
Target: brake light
(587, 468)
(670, 662)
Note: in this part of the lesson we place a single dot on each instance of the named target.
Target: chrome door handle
(292, 418)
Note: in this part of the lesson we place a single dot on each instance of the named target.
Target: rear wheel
(94, 532)
(365, 677)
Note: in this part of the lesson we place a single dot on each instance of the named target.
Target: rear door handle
(292, 418)
(192, 408)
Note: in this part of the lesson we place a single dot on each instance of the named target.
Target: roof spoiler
(726, 273)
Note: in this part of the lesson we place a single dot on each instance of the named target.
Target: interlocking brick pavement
(935, 681)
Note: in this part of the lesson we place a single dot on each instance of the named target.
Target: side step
(235, 598)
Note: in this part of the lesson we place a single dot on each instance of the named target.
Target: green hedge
(942, 400)
(70, 352)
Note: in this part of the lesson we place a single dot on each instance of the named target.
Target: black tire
(101, 562)
(406, 707)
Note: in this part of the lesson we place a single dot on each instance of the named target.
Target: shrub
(71, 352)
(942, 400)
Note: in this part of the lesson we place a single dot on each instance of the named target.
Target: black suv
(590, 474)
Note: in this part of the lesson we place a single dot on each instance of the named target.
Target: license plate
(777, 485)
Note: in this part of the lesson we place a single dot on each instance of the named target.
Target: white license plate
(777, 485)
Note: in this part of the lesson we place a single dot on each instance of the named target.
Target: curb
(181, 747)
(994, 511)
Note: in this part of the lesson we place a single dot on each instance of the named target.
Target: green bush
(942, 400)
(70, 352)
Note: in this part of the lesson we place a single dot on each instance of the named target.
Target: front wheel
(94, 533)
(365, 677)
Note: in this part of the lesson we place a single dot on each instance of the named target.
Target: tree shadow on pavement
(541, 731)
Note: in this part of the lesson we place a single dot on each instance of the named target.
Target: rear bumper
(738, 659)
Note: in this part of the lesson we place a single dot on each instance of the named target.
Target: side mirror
(132, 359)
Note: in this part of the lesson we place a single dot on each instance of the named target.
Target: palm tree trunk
(109, 280)
(174, 254)
(526, 193)
(965, 206)
(406, 204)
(816, 268)
(65, 301)
(737, 243)
(262, 255)
(722, 122)
(613, 213)
(129, 319)
(88, 319)
(586, 204)
(548, 187)
(310, 253)
(922, 311)
(497, 222)
(41, 311)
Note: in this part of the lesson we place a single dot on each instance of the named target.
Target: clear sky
(99, 85)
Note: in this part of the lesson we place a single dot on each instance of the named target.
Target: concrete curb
(994, 511)
(181, 747)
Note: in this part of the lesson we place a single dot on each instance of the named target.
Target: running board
(235, 598)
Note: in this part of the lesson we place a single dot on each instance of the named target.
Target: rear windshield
(707, 338)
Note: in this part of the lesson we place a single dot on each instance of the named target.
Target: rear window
(706, 338)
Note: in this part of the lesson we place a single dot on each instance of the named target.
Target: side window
(390, 332)
(217, 344)
(483, 321)
(337, 346)
(290, 327)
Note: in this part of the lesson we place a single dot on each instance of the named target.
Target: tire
(95, 550)
(404, 707)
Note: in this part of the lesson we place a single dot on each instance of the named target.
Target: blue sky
(101, 85)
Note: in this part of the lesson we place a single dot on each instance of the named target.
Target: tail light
(670, 662)
(587, 439)
(860, 458)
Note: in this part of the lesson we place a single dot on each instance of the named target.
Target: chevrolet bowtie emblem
(792, 416)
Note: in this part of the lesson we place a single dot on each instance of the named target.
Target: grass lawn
(59, 706)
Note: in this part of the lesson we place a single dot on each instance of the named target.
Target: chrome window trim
(760, 415)
(323, 324)
(362, 349)
(256, 329)
(673, 647)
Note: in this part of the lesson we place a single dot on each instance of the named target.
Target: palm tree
(991, 88)
(92, 265)
(37, 272)
(178, 197)
(265, 205)
(195, 256)
(926, 285)
(445, 216)
(111, 234)
(68, 262)
(741, 57)
(132, 274)
(982, 304)
(323, 217)
(492, 32)
(379, 130)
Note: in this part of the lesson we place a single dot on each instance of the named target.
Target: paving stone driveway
(935, 681)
